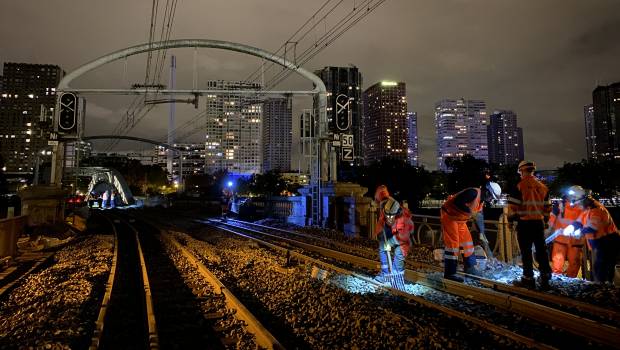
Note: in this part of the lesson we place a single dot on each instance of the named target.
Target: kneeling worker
(455, 213)
(565, 247)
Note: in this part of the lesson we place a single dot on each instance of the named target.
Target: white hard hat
(527, 164)
(494, 189)
(576, 193)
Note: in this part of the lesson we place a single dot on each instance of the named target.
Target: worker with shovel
(393, 231)
(455, 213)
(564, 248)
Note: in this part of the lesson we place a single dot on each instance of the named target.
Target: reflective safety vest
(567, 215)
(456, 214)
(534, 203)
(597, 222)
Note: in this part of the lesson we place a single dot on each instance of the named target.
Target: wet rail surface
(578, 326)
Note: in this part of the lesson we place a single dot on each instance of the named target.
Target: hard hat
(494, 189)
(576, 194)
(527, 164)
(390, 206)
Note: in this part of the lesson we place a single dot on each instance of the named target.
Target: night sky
(539, 58)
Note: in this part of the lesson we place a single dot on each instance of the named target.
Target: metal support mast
(171, 116)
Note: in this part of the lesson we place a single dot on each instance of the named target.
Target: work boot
(525, 282)
(454, 278)
(380, 278)
(473, 271)
(544, 281)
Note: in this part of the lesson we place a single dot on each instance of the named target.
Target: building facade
(606, 122)
(386, 132)
(193, 161)
(233, 129)
(345, 81)
(461, 127)
(277, 133)
(505, 138)
(27, 92)
(412, 149)
(588, 117)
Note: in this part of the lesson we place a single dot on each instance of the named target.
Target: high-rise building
(412, 149)
(385, 122)
(233, 129)
(344, 81)
(461, 129)
(505, 139)
(606, 122)
(27, 91)
(588, 117)
(193, 161)
(277, 133)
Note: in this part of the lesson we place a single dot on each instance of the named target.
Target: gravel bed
(56, 307)
(597, 294)
(336, 312)
(212, 304)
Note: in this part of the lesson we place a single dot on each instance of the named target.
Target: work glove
(568, 230)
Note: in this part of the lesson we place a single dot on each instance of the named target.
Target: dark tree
(600, 176)
(466, 171)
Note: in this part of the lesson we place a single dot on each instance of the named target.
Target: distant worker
(226, 202)
(394, 233)
(104, 199)
(600, 231)
(455, 213)
(113, 199)
(565, 248)
(530, 206)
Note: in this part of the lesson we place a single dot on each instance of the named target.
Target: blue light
(229, 183)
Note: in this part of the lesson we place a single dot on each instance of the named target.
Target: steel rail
(263, 337)
(103, 309)
(488, 283)
(576, 325)
(150, 310)
(529, 342)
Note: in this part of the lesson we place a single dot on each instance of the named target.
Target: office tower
(233, 129)
(461, 129)
(588, 116)
(27, 91)
(606, 122)
(345, 81)
(385, 122)
(277, 133)
(505, 139)
(412, 149)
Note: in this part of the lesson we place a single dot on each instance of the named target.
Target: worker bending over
(600, 232)
(455, 213)
(529, 204)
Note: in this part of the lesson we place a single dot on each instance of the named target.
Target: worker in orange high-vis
(529, 204)
(600, 231)
(565, 248)
(455, 213)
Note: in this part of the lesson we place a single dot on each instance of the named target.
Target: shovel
(395, 279)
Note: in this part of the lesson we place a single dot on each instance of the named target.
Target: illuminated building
(605, 122)
(412, 149)
(386, 131)
(505, 139)
(588, 116)
(277, 133)
(27, 91)
(461, 129)
(233, 129)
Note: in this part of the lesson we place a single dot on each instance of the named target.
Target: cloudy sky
(539, 58)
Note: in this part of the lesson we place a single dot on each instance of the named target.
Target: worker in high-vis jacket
(455, 213)
(530, 206)
(565, 248)
(600, 231)
(393, 232)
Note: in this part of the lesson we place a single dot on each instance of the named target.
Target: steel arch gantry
(320, 161)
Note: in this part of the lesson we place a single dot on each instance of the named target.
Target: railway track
(605, 315)
(575, 325)
(160, 296)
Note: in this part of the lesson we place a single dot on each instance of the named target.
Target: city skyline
(545, 71)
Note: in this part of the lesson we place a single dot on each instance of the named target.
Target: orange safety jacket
(567, 215)
(596, 223)
(401, 229)
(454, 213)
(531, 200)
